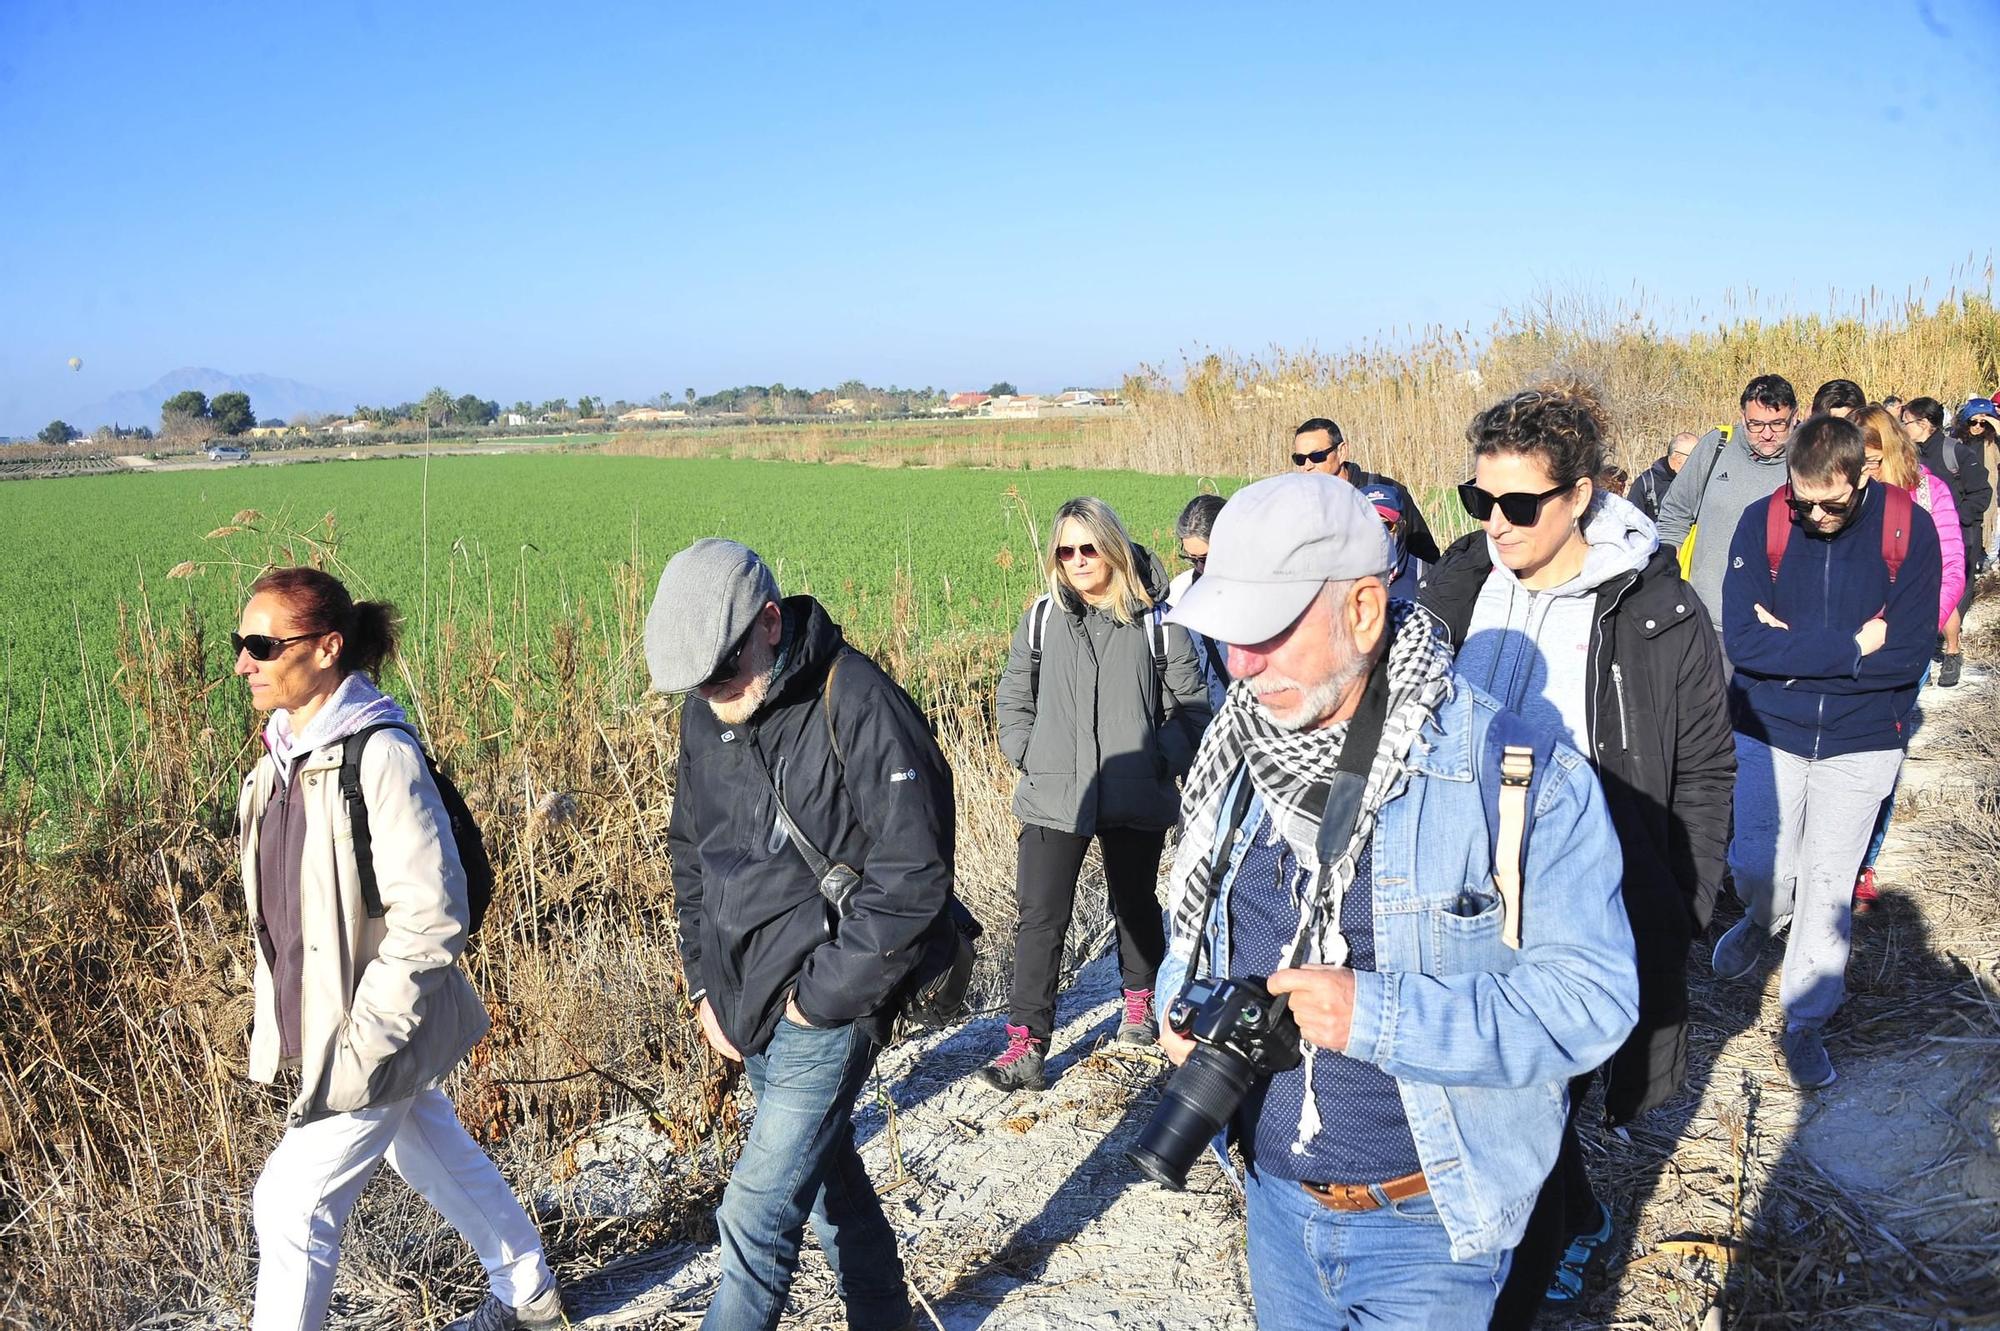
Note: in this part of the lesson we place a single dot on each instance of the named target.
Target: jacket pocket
(1466, 933)
(349, 1081)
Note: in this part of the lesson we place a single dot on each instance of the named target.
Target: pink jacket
(1935, 497)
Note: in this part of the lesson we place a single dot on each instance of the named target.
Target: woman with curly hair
(1566, 609)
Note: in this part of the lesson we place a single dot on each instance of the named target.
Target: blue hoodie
(1807, 689)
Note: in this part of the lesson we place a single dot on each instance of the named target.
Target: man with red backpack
(1829, 614)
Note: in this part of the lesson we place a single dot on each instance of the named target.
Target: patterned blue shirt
(1364, 1136)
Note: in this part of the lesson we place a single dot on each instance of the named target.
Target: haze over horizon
(523, 203)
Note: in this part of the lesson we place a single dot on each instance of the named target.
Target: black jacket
(753, 925)
(1651, 487)
(1661, 743)
(1417, 538)
(1971, 488)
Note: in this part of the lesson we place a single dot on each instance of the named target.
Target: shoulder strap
(1778, 528)
(1523, 752)
(1156, 623)
(351, 750)
(1714, 460)
(1896, 517)
(817, 862)
(826, 705)
(1038, 625)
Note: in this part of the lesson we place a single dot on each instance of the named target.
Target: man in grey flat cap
(1446, 981)
(805, 776)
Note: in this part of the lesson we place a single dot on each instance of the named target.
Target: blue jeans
(1311, 1267)
(800, 1164)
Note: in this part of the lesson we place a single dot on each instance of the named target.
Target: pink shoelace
(1019, 1042)
(1138, 1006)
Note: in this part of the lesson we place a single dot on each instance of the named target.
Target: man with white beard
(1430, 883)
(801, 749)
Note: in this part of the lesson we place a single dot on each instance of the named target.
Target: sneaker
(1736, 951)
(1806, 1059)
(1139, 1025)
(1566, 1286)
(1019, 1066)
(1864, 892)
(1947, 676)
(543, 1311)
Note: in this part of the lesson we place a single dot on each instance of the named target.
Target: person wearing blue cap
(1407, 574)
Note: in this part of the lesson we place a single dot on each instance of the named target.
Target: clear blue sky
(535, 200)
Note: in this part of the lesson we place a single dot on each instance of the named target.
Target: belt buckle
(1346, 1197)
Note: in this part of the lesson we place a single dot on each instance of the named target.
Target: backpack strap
(1523, 754)
(351, 750)
(1038, 626)
(826, 706)
(1778, 528)
(1896, 518)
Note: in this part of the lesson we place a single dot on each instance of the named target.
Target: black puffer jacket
(1661, 743)
(1105, 740)
(753, 924)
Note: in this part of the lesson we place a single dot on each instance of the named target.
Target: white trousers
(317, 1172)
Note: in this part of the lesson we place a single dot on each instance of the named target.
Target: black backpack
(465, 832)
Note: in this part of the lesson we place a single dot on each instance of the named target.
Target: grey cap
(1272, 546)
(709, 596)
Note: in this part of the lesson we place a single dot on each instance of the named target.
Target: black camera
(1240, 1034)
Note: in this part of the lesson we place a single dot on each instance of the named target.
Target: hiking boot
(1019, 1066)
(540, 1313)
(1736, 951)
(1806, 1059)
(1947, 677)
(1566, 1286)
(1864, 892)
(1139, 1025)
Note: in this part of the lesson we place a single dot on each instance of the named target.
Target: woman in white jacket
(368, 1012)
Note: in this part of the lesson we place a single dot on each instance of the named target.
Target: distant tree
(57, 432)
(522, 409)
(436, 407)
(556, 406)
(586, 406)
(190, 404)
(1001, 389)
(270, 423)
(470, 410)
(231, 412)
(687, 396)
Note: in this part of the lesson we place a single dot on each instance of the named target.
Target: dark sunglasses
(726, 669)
(1065, 553)
(262, 646)
(1199, 561)
(1315, 457)
(1837, 508)
(1520, 508)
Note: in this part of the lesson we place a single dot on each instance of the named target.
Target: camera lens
(1199, 1099)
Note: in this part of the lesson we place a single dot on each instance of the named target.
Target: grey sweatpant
(1802, 825)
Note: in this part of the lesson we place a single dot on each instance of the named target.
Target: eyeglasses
(1520, 508)
(1065, 553)
(1200, 562)
(262, 646)
(730, 664)
(1769, 427)
(1833, 508)
(1871, 463)
(1317, 456)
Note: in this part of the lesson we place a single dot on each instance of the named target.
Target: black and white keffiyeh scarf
(1292, 771)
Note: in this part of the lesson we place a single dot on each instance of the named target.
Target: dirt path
(1869, 1204)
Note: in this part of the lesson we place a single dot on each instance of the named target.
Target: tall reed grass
(128, 1139)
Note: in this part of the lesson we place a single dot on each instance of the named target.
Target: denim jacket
(1482, 1039)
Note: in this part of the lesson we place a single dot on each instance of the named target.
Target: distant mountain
(283, 398)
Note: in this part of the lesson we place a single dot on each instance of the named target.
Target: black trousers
(1564, 1206)
(1045, 889)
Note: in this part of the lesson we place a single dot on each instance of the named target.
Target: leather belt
(1361, 1196)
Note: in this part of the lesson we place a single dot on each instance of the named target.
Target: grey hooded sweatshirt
(1530, 650)
(1713, 489)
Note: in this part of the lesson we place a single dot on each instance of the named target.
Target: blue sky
(532, 200)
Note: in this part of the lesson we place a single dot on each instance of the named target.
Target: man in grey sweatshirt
(1730, 471)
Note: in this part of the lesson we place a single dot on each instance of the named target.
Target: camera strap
(1342, 810)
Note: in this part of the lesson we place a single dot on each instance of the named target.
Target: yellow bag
(1687, 542)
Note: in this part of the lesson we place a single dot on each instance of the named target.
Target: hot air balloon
(76, 362)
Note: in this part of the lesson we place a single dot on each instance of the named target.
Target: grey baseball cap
(1273, 545)
(708, 597)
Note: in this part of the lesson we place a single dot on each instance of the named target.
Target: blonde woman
(1101, 708)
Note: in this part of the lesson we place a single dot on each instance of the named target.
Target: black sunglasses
(1199, 561)
(1520, 508)
(726, 669)
(1317, 456)
(262, 646)
(1837, 508)
(1065, 553)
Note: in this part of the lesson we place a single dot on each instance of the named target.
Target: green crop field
(526, 541)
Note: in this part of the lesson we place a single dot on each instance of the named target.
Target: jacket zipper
(1596, 655)
(1618, 690)
(1826, 617)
